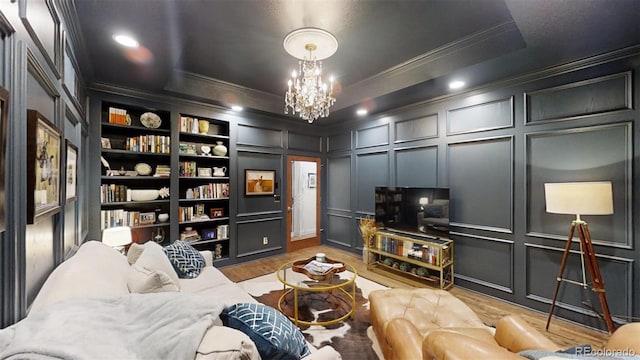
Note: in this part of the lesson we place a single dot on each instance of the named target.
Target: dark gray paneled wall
(494, 148)
(33, 35)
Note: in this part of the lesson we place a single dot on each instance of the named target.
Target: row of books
(192, 213)
(158, 144)
(118, 116)
(120, 217)
(209, 191)
(188, 168)
(425, 253)
(114, 193)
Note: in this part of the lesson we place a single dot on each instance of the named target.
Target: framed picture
(106, 143)
(259, 182)
(208, 234)
(4, 118)
(311, 180)
(216, 212)
(71, 166)
(204, 172)
(147, 218)
(43, 167)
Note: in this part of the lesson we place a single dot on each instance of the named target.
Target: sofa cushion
(187, 261)
(96, 269)
(142, 280)
(153, 258)
(275, 336)
(135, 250)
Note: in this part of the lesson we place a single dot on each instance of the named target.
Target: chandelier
(308, 94)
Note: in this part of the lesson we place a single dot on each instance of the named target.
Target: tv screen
(413, 209)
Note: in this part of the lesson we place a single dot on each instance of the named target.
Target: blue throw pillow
(187, 261)
(275, 336)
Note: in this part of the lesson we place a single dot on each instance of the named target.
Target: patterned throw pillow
(275, 336)
(187, 261)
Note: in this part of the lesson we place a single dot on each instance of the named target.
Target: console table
(413, 258)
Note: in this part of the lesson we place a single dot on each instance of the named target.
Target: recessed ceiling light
(456, 84)
(126, 40)
(236, 108)
(361, 112)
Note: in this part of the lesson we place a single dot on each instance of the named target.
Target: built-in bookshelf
(136, 170)
(204, 189)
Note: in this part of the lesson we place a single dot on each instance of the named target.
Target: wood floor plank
(489, 309)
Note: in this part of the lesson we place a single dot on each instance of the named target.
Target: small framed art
(259, 182)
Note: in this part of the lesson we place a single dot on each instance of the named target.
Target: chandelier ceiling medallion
(308, 94)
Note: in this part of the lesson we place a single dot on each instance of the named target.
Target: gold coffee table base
(298, 284)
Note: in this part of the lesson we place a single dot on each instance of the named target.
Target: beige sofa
(97, 270)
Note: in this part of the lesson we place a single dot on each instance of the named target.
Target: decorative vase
(163, 217)
(194, 126)
(203, 126)
(220, 149)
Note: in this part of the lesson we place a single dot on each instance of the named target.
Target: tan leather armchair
(433, 324)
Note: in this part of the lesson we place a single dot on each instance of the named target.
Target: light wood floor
(489, 309)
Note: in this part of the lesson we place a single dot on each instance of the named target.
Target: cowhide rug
(349, 337)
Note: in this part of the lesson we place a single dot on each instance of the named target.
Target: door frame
(311, 241)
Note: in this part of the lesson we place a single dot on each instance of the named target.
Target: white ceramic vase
(220, 149)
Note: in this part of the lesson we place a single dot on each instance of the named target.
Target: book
(319, 268)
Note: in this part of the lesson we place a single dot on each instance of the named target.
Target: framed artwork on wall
(311, 180)
(4, 118)
(259, 182)
(43, 167)
(71, 175)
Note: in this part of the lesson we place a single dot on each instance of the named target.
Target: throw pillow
(187, 260)
(275, 336)
(142, 281)
(433, 211)
(154, 258)
(134, 252)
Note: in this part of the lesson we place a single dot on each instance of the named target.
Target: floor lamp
(581, 198)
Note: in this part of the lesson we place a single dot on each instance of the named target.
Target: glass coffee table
(332, 297)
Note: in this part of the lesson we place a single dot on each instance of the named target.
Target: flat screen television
(413, 209)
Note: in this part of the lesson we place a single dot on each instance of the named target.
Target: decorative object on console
(581, 198)
(219, 149)
(368, 228)
(307, 93)
(117, 237)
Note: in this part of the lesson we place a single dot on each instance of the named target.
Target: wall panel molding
(340, 142)
(419, 128)
(543, 262)
(578, 99)
(298, 141)
(45, 32)
(490, 162)
(416, 166)
(486, 116)
(494, 253)
(372, 169)
(339, 176)
(593, 153)
(372, 136)
(260, 136)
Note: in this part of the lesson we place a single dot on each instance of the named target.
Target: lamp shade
(117, 236)
(579, 198)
